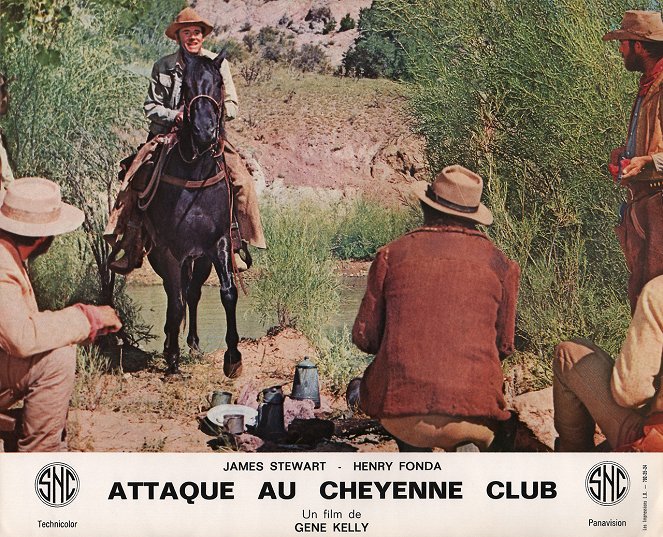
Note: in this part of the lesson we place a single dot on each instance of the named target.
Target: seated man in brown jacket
(439, 315)
(37, 352)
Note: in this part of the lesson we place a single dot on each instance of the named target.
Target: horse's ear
(219, 59)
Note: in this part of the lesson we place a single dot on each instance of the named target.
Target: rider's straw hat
(33, 207)
(457, 191)
(188, 17)
(638, 26)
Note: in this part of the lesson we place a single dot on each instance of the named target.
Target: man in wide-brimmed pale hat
(37, 348)
(164, 108)
(638, 164)
(439, 314)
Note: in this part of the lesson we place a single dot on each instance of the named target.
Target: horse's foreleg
(232, 359)
(201, 270)
(174, 316)
(168, 268)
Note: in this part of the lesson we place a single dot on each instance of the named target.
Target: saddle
(140, 174)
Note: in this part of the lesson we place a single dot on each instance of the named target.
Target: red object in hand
(614, 171)
(617, 169)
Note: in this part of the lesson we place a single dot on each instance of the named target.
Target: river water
(212, 318)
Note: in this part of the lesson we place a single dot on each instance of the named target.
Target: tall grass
(339, 361)
(298, 284)
(368, 225)
(92, 379)
(73, 112)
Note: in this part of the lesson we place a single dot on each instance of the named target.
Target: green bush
(311, 58)
(141, 26)
(368, 225)
(379, 50)
(534, 104)
(269, 34)
(250, 39)
(319, 14)
(235, 51)
(339, 361)
(329, 26)
(274, 44)
(347, 23)
(58, 276)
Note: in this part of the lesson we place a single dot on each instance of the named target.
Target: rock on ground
(535, 414)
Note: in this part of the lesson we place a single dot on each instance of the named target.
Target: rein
(219, 107)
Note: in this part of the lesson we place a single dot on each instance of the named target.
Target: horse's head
(203, 101)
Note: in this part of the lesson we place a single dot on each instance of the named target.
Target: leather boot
(131, 243)
(505, 436)
(237, 245)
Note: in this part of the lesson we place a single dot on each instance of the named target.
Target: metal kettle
(306, 384)
(269, 423)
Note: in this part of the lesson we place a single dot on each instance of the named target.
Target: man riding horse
(164, 108)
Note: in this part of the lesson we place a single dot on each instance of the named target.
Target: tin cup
(234, 423)
(219, 397)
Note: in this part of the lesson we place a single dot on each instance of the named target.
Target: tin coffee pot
(306, 384)
(269, 423)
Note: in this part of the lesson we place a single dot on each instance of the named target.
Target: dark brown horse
(191, 222)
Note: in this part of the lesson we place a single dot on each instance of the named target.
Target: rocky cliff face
(304, 20)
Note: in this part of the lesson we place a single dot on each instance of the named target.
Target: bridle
(218, 106)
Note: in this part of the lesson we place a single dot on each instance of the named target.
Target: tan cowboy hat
(456, 190)
(638, 26)
(188, 17)
(33, 207)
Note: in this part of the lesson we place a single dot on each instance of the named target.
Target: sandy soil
(138, 409)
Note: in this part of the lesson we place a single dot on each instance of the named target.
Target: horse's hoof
(194, 345)
(196, 353)
(232, 370)
(173, 371)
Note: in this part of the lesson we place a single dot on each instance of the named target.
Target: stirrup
(235, 237)
(240, 264)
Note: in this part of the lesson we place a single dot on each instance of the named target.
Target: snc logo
(57, 484)
(607, 483)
